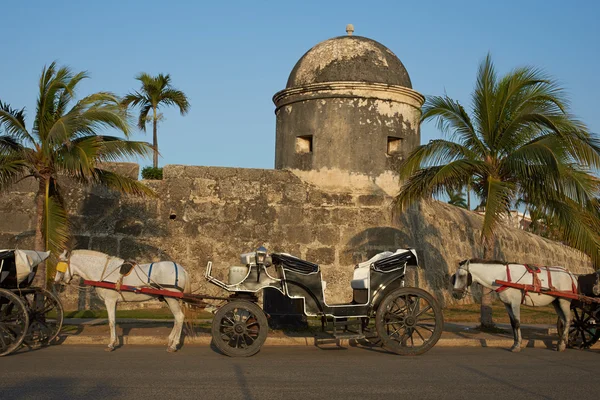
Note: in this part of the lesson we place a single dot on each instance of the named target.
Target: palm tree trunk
(469, 195)
(40, 277)
(155, 139)
(486, 295)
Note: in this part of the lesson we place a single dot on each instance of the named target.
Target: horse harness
(125, 269)
(534, 270)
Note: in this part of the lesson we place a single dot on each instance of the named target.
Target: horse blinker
(62, 267)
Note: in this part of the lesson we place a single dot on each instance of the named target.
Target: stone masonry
(213, 213)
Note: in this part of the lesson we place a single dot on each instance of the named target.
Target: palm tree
(155, 92)
(456, 198)
(64, 142)
(519, 142)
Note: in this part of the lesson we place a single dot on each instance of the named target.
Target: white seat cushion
(361, 277)
(362, 273)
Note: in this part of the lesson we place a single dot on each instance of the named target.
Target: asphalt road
(140, 372)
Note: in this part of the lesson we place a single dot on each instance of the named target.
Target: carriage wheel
(239, 328)
(45, 317)
(409, 321)
(584, 331)
(13, 322)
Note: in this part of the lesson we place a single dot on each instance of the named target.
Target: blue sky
(231, 57)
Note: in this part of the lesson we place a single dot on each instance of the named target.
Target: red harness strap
(508, 279)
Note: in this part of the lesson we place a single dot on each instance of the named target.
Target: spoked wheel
(409, 321)
(584, 331)
(14, 322)
(239, 328)
(45, 316)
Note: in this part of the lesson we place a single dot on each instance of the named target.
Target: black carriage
(28, 315)
(584, 331)
(407, 320)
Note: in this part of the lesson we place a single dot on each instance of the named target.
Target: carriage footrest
(348, 335)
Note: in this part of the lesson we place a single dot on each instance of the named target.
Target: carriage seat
(362, 272)
(295, 264)
(383, 262)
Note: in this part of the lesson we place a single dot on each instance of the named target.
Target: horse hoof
(171, 349)
(561, 347)
(515, 349)
(109, 349)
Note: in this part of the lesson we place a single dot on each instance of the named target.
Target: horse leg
(563, 309)
(175, 336)
(111, 307)
(514, 313)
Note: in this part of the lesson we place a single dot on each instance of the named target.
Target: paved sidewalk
(155, 332)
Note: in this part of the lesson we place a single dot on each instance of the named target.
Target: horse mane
(484, 261)
(94, 253)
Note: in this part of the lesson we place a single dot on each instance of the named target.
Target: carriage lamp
(261, 254)
(268, 261)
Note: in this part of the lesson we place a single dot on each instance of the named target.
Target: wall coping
(363, 90)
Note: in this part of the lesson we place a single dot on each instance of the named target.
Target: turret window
(304, 144)
(394, 145)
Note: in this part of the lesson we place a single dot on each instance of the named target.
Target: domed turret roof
(349, 58)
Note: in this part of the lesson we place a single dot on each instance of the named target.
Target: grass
(529, 315)
(159, 313)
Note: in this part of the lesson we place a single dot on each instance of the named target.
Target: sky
(231, 57)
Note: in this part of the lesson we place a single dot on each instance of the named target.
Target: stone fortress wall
(214, 213)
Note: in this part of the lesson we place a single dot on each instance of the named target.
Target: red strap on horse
(549, 279)
(508, 279)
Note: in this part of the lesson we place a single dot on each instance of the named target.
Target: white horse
(96, 266)
(487, 272)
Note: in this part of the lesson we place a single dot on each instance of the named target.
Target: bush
(152, 173)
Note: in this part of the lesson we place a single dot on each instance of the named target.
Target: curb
(306, 341)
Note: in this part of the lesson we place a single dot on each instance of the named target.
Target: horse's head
(64, 275)
(461, 280)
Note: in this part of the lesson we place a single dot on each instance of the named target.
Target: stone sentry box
(349, 106)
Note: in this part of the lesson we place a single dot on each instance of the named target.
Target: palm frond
(435, 152)
(10, 145)
(120, 183)
(453, 120)
(135, 99)
(67, 95)
(13, 123)
(143, 117)
(579, 228)
(11, 171)
(173, 97)
(483, 101)
(435, 180)
(497, 203)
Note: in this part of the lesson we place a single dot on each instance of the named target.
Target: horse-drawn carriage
(30, 315)
(576, 299)
(407, 320)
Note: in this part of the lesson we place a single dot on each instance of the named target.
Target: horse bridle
(63, 267)
(464, 291)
